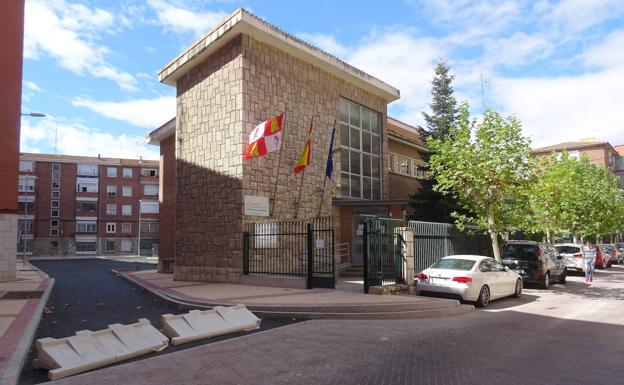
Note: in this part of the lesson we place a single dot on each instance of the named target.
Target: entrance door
(126, 245)
(357, 242)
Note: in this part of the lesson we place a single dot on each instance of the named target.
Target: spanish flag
(265, 138)
(304, 159)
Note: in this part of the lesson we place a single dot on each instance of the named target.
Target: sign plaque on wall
(256, 206)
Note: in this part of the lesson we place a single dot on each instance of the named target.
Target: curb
(18, 358)
(310, 315)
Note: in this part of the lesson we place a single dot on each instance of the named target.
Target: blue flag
(330, 156)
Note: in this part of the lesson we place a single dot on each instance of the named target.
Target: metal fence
(434, 241)
(383, 255)
(300, 248)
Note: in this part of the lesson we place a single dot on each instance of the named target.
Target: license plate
(438, 279)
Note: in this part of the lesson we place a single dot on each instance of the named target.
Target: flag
(304, 159)
(330, 155)
(265, 138)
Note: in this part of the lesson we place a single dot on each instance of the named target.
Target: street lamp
(42, 115)
(35, 114)
(139, 234)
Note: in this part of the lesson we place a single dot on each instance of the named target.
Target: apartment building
(75, 205)
(407, 167)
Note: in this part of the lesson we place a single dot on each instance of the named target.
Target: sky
(91, 66)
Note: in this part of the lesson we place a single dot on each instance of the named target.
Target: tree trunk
(549, 236)
(575, 239)
(492, 231)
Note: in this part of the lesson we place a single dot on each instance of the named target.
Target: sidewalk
(21, 304)
(297, 303)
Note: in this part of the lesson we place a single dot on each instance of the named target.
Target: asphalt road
(570, 334)
(87, 295)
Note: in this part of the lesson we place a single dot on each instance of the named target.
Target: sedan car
(604, 255)
(472, 278)
(620, 249)
(572, 256)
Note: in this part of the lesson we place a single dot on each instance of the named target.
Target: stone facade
(8, 246)
(219, 102)
(167, 204)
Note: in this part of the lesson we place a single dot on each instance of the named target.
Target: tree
(487, 173)
(427, 204)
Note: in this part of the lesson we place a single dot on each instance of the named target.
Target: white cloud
(76, 139)
(607, 54)
(69, 33)
(325, 42)
(185, 20)
(148, 113)
(33, 86)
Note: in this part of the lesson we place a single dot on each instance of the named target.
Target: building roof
(572, 146)
(87, 159)
(620, 149)
(161, 133)
(241, 21)
(406, 133)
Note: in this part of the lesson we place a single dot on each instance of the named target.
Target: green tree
(427, 204)
(487, 172)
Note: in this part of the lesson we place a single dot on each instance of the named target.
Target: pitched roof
(570, 146)
(241, 21)
(87, 159)
(406, 132)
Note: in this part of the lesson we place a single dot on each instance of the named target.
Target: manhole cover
(22, 295)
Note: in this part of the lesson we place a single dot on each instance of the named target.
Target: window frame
(110, 174)
(129, 228)
(126, 210)
(111, 228)
(52, 213)
(124, 189)
(109, 211)
(127, 172)
(151, 186)
(111, 191)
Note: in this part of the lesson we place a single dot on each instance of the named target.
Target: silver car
(470, 278)
(572, 256)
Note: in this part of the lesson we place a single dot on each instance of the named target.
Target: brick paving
(557, 337)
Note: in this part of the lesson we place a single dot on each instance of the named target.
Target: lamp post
(139, 231)
(42, 115)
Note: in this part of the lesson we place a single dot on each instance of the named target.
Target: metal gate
(383, 256)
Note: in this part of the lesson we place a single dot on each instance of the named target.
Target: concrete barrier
(89, 350)
(197, 324)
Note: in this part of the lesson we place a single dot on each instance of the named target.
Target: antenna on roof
(483, 81)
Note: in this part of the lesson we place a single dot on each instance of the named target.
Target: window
(150, 189)
(111, 228)
(149, 227)
(26, 165)
(111, 172)
(111, 209)
(56, 194)
(126, 191)
(126, 228)
(54, 244)
(111, 191)
(56, 176)
(26, 183)
(109, 246)
(149, 171)
(20, 246)
(360, 153)
(88, 185)
(86, 206)
(87, 170)
(86, 227)
(126, 210)
(56, 167)
(25, 225)
(127, 172)
(54, 204)
(149, 207)
(86, 247)
(56, 184)
(54, 213)
(26, 206)
(54, 223)
(54, 232)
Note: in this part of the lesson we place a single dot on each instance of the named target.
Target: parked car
(536, 262)
(469, 278)
(572, 254)
(620, 249)
(604, 255)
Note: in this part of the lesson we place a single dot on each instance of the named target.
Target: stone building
(81, 205)
(240, 73)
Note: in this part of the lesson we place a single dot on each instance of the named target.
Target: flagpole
(329, 154)
(279, 161)
(300, 188)
(322, 195)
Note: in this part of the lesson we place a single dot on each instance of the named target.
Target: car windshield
(524, 252)
(454, 264)
(568, 249)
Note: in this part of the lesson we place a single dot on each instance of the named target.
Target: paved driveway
(571, 334)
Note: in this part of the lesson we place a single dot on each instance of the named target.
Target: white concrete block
(197, 324)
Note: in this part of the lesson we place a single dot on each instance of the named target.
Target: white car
(470, 278)
(572, 256)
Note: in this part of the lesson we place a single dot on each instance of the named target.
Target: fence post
(365, 255)
(246, 253)
(310, 247)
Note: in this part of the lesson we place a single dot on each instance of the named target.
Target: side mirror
(507, 268)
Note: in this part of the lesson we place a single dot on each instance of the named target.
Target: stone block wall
(8, 246)
(209, 169)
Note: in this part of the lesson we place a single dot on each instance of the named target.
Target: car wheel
(563, 278)
(609, 264)
(518, 291)
(484, 297)
(545, 284)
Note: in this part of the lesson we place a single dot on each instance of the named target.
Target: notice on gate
(256, 206)
(360, 230)
(320, 243)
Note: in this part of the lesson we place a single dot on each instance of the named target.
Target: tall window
(360, 151)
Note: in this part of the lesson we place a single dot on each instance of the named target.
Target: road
(571, 334)
(87, 295)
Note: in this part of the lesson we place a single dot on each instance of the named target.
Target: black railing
(299, 248)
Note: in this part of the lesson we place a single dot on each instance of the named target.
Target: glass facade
(360, 151)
